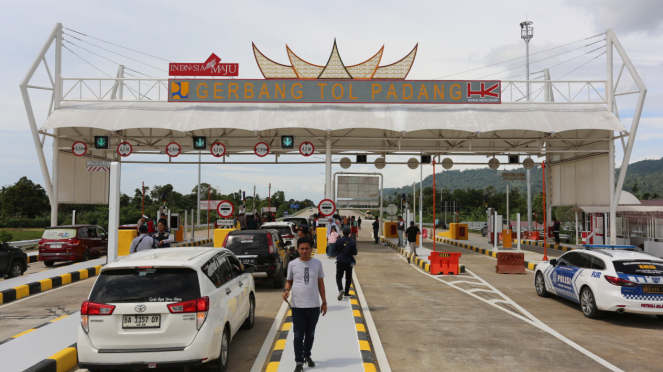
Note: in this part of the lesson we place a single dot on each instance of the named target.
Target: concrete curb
(33, 329)
(487, 252)
(418, 261)
(33, 258)
(62, 361)
(279, 345)
(192, 244)
(362, 336)
(44, 285)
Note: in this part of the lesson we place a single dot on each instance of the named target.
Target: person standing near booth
(163, 237)
(412, 233)
(376, 230)
(401, 231)
(556, 226)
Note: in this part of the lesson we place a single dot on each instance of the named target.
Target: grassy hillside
(647, 174)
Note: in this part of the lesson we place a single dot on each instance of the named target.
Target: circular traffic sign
(218, 149)
(79, 148)
(326, 207)
(261, 149)
(173, 149)
(225, 209)
(124, 149)
(306, 148)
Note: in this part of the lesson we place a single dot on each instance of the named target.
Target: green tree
(24, 199)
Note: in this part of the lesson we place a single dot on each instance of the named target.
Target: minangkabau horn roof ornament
(335, 69)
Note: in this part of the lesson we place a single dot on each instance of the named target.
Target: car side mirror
(102, 236)
(553, 262)
(248, 269)
(288, 242)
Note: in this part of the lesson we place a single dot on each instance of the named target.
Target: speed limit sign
(306, 148)
(79, 148)
(173, 149)
(261, 149)
(124, 149)
(218, 149)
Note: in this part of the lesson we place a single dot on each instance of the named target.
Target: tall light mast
(527, 33)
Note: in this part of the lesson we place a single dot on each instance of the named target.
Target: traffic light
(287, 142)
(101, 142)
(199, 143)
(425, 159)
(361, 158)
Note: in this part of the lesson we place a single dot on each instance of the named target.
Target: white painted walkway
(336, 346)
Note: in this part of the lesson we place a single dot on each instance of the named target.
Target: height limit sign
(306, 148)
(326, 207)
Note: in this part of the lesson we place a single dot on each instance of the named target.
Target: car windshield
(301, 221)
(146, 285)
(640, 267)
(283, 230)
(59, 234)
(242, 242)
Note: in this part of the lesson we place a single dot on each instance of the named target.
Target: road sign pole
(198, 204)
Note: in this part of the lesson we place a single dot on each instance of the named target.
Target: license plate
(56, 245)
(249, 261)
(652, 289)
(141, 321)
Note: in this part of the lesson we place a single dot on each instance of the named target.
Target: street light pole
(527, 33)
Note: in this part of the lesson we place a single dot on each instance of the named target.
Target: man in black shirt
(412, 233)
(376, 229)
(556, 230)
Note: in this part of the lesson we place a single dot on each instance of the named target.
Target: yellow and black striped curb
(537, 243)
(192, 244)
(43, 285)
(33, 258)
(62, 361)
(33, 329)
(487, 252)
(425, 265)
(362, 335)
(279, 346)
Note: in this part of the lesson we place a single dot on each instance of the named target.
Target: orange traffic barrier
(510, 263)
(425, 233)
(445, 263)
(506, 243)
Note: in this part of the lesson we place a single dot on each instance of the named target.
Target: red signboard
(211, 67)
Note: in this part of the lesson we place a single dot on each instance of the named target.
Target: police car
(620, 280)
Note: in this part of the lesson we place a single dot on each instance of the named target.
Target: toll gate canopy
(572, 124)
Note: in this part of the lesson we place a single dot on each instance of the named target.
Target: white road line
(528, 318)
(43, 293)
(269, 340)
(382, 361)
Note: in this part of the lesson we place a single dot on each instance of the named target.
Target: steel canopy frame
(352, 138)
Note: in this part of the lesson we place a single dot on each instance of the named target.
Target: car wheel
(588, 304)
(278, 281)
(49, 263)
(221, 363)
(540, 285)
(16, 270)
(250, 320)
(86, 256)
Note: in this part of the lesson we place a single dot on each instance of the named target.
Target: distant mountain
(647, 174)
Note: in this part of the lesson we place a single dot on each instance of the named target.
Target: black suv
(263, 248)
(13, 261)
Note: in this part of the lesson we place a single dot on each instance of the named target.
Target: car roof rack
(612, 247)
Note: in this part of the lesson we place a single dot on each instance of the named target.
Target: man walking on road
(401, 231)
(305, 281)
(412, 233)
(376, 230)
(346, 249)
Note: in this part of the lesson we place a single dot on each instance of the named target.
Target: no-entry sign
(218, 149)
(306, 148)
(261, 149)
(326, 207)
(79, 148)
(124, 149)
(225, 209)
(173, 149)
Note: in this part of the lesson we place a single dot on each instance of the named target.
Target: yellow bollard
(124, 238)
(220, 236)
(322, 240)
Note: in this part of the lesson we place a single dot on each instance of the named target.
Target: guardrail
(24, 243)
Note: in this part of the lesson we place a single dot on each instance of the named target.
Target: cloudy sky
(453, 37)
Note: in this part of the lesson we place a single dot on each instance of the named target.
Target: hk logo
(179, 90)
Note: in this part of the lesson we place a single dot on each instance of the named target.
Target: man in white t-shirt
(305, 281)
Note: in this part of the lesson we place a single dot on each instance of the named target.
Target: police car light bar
(599, 246)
